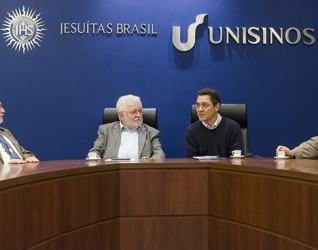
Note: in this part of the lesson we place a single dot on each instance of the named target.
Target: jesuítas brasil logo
(23, 29)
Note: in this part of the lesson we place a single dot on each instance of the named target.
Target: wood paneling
(99, 236)
(225, 235)
(161, 204)
(38, 211)
(163, 192)
(281, 205)
(169, 233)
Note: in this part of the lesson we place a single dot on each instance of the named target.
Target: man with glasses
(128, 138)
(10, 150)
(212, 134)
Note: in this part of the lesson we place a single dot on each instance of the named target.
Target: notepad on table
(208, 157)
(120, 159)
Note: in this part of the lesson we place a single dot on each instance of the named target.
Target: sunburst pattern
(23, 30)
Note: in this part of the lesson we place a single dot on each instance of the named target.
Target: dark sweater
(227, 136)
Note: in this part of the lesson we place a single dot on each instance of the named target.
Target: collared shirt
(217, 122)
(129, 143)
(5, 156)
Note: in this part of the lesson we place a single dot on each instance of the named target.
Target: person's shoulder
(149, 128)
(4, 130)
(109, 125)
(229, 121)
(194, 125)
(315, 138)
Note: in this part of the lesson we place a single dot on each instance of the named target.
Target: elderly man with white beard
(128, 138)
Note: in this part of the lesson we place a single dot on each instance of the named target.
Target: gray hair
(121, 104)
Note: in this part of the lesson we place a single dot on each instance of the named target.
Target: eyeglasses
(135, 112)
(203, 105)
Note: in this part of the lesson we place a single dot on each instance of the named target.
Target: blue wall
(54, 95)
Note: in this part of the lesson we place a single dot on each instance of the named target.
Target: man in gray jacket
(308, 149)
(10, 150)
(129, 137)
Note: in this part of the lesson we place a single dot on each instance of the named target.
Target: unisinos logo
(23, 29)
(191, 34)
(244, 35)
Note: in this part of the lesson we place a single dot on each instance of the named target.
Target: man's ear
(120, 115)
(217, 107)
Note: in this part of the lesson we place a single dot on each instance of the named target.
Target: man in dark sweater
(213, 134)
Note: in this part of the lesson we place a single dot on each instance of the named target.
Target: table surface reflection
(18, 173)
(182, 203)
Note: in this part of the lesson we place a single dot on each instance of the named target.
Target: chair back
(150, 116)
(236, 112)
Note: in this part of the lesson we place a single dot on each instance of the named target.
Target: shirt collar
(125, 128)
(216, 123)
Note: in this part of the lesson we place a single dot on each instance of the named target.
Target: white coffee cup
(281, 154)
(236, 152)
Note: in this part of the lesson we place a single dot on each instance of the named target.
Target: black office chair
(236, 112)
(150, 116)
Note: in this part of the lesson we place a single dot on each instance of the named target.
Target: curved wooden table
(229, 204)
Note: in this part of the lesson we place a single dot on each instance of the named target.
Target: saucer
(237, 156)
(284, 157)
(92, 159)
